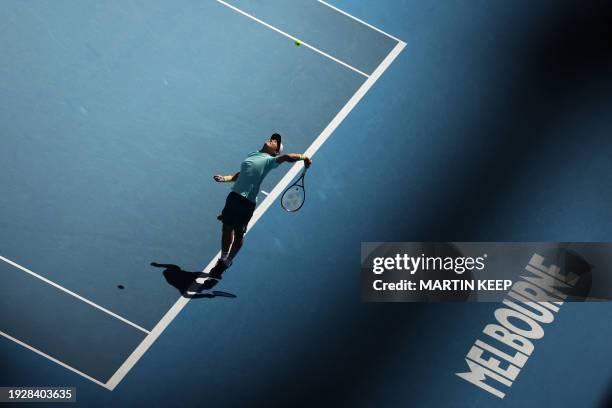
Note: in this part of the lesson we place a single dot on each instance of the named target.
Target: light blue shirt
(252, 172)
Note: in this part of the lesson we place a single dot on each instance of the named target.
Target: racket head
(293, 198)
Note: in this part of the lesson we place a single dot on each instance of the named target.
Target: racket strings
(293, 198)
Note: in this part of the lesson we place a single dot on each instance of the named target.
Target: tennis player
(241, 201)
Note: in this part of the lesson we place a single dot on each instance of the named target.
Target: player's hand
(218, 178)
(307, 162)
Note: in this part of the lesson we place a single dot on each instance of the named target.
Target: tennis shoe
(219, 268)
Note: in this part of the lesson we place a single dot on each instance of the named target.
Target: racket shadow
(184, 282)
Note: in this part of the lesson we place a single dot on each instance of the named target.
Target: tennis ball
(297, 42)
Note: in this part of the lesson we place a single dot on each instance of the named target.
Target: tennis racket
(293, 198)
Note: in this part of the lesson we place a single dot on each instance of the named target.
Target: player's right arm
(293, 157)
(222, 179)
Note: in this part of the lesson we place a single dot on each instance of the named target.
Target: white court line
(305, 44)
(259, 211)
(361, 21)
(63, 289)
(264, 192)
(155, 333)
(21, 343)
(267, 202)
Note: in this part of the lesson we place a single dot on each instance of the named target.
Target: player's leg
(227, 237)
(236, 244)
(226, 259)
(228, 218)
(244, 212)
(235, 217)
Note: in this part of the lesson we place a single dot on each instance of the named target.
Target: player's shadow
(185, 281)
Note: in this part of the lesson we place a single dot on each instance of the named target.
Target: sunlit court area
(126, 126)
(115, 117)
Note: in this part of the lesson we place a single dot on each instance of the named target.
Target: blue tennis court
(115, 118)
(491, 124)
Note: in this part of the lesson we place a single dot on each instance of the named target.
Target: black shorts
(237, 212)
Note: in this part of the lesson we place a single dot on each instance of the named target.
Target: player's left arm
(293, 157)
(231, 178)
